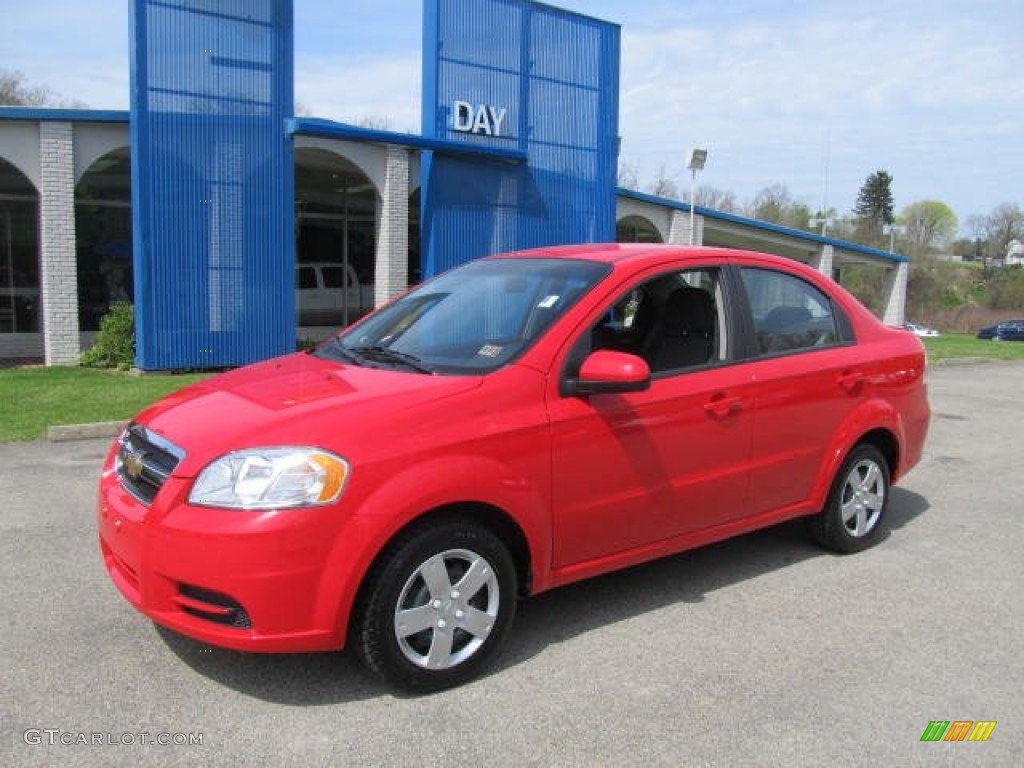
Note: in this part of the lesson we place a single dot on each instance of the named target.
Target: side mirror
(608, 372)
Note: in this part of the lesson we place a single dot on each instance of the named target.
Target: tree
(874, 208)
(928, 225)
(1006, 290)
(374, 122)
(665, 185)
(967, 249)
(998, 229)
(629, 175)
(771, 203)
(775, 205)
(717, 199)
(15, 92)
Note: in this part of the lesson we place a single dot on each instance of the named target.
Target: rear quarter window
(790, 314)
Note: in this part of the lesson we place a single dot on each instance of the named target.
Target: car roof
(613, 253)
(630, 256)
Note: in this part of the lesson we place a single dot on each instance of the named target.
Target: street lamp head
(695, 162)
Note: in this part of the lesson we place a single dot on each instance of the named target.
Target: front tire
(852, 518)
(436, 607)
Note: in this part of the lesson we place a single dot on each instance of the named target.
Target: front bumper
(252, 581)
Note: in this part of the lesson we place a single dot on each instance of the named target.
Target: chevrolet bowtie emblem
(133, 464)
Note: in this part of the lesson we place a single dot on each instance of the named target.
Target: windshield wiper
(336, 350)
(391, 355)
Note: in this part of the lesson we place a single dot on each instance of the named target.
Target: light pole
(698, 156)
(821, 221)
(893, 231)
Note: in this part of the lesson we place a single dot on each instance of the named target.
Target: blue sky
(932, 92)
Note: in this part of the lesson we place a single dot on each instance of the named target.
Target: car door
(808, 376)
(637, 468)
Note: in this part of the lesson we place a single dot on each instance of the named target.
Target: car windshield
(471, 320)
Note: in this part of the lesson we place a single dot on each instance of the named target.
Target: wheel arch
(885, 441)
(876, 423)
(500, 499)
(500, 522)
(397, 581)
(495, 519)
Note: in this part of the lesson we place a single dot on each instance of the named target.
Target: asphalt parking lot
(759, 651)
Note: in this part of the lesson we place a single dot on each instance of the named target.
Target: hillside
(959, 297)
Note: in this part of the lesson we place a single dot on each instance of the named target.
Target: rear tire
(434, 610)
(852, 518)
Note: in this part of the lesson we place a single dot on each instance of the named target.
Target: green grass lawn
(32, 399)
(960, 345)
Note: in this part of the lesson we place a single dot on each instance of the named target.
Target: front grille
(145, 461)
(212, 606)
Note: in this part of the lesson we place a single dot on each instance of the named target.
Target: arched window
(636, 229)
(19, 252)
(103, 236)
(335, 238)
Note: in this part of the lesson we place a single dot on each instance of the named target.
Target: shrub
(115, 343)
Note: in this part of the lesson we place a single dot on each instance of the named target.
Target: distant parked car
(921, 330)
(1008, 330)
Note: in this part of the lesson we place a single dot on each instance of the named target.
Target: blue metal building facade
(518, 149)
(212, 181)
(518, 75)
(529, 90)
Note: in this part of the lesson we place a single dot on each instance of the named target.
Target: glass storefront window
(335, 239)
(636, 229)
(19, 252)
(103, 235)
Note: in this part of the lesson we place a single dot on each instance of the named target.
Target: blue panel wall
(212, 181)
(551, 77)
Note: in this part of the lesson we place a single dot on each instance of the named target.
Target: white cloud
(932, 92)
(348, 90)
(900, 86)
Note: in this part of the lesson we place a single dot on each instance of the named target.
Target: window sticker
(548, 302)
(490, 350)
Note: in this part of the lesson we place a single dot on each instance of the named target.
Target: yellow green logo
(958, 730)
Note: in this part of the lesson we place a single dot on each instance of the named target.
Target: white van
(324, 290)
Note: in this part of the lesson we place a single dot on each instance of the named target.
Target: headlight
(271, 478)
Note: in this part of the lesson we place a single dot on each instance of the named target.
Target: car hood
(299, 399)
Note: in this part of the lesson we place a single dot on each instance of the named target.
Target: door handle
(851, 381)
(722, 406)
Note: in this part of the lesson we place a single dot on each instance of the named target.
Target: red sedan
(516, 424)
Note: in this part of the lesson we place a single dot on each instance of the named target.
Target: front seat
(687, 330)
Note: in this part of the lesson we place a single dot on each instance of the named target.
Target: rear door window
(789, 313)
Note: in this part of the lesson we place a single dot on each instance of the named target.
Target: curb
(67, 432)
(952, 362)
